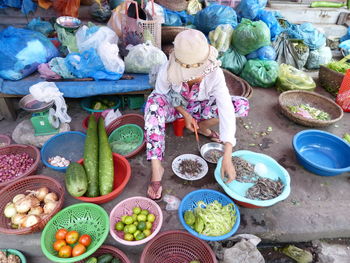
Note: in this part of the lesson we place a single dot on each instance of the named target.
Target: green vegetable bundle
(340, 66)
(307, 111)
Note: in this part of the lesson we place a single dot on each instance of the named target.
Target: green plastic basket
(126, 139)
(15, 252)
(85, 218)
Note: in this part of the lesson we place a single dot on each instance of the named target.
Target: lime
(126, 229)
(151, 218)
(141, 217)
(119, 226)
(129, 237)
(135, 223)
(123, 219)
(136, 233)
(136, 210)
(147, 232)
(134, 216)
(141, 226)
(128, 220)
(140, 236)
(132, 229)
(149, 225)
(144, 212)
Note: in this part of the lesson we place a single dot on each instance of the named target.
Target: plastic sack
(271, 21)
(67, 8)
(249, 36)
(46, 72)
(343, 96)
(110, 115)
(221, 37)
(143, 57)
(41, 26)
(193, 7)
(319, 57)
(290, 78)
(233, 61)
(47, 92)
(210, 17)
(291, 52)
(109, 54)
(115, 22)
(345, 47)
(172, 202)
(313, 38)
(67, 39)
(176, 18)
(26, 6)
(263, 53)
(101, 12)
(22, 51)
(59, 66)
(260, 73)
(92, 37)
(89, 65)
(346, 36)
(250, 8)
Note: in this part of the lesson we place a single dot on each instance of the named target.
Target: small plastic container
(179, 126)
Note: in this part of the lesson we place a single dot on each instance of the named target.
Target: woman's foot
(212, 135)
(155, 188)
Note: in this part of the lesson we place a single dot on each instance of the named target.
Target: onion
(10, 210)
(18, 219)
(36, 211)
(30, 220)
(18, 197)
(51, 197)
(40, 193)
(49, 207)
(25, 204)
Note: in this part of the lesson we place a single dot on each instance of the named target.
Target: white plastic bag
(109, 54)
(110, 115)
(143, 57)
(47, 92)
(221, 37)
(173, 202)
(86, 40)
(158, 10)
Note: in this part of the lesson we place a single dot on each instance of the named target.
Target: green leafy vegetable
(309, 112)
(189, 218)
(347, 137)
(340, 66)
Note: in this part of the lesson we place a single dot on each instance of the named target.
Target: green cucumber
(76, 180)
(105, 165)
(91, 158)
(92, 260)
(105, 258)
(327, 4)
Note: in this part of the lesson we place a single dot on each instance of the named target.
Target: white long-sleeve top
(212, 85)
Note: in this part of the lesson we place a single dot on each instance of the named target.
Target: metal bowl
(68, 22)
(211, 146)
(30, 104)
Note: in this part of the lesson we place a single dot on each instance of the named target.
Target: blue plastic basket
(69, 145)
(15, 252)
(189, 202)
(86, 103)
(237, 190)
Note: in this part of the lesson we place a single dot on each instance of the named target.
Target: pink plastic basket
(177, 246)
(125, 208)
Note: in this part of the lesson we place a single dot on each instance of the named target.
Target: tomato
(59, 244)
(85, 240)
(61, 234)
(72, 237)
(78, 250)
(65, 252)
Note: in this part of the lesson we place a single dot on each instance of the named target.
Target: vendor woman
(191, 85)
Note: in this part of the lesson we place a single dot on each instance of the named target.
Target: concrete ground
(318, 207)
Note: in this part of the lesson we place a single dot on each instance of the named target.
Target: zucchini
(106, 166)
(327, 4)
(91, 158)
(76, 180)
(105, 258)
(92, 260)
(115, 260)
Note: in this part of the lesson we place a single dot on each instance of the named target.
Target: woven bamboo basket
(170, 32)
(330, 80)
(237, 86)
(297, 97)
(178, 5)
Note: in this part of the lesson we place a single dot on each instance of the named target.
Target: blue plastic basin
(321, 152)
(69, 145)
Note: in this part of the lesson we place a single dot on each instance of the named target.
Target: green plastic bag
(290, 78)
(221, 37)
(319, 57)
(233, 61)
(250, 36)
(260, 73)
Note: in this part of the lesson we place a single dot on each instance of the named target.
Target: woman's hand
(228, 171)
(190, 122)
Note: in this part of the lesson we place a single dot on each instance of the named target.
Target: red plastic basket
(128, 119)
(177, 246)
(110, 250)
(4, 139)
(21, 148)
(85, 123)
(122, 174)
(20, 187)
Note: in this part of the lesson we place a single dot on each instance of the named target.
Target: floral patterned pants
(159, 111)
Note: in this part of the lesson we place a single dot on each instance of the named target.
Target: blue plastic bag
(263, 53)
(41, 26)
(21, 52)
(175, 18)
(313, 38)
(209, 18)
(271, 21)
(89, 65)
(346, 36)
(26, 6)
(250, 8)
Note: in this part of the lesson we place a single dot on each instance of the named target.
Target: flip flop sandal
(155, 187)
(213, 136)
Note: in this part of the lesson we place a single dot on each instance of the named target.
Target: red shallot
(13, 165)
